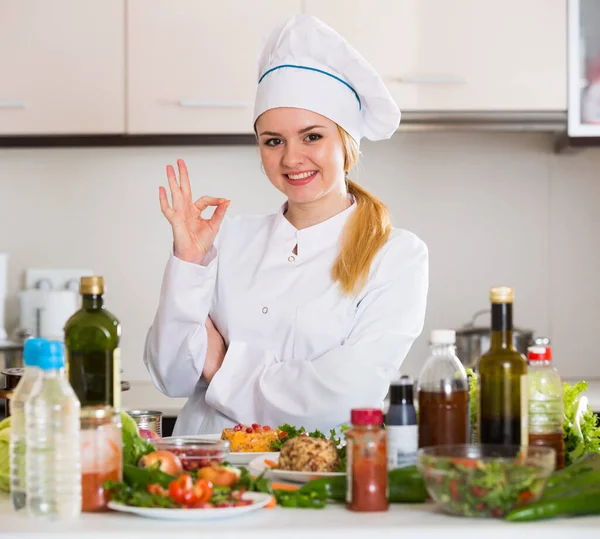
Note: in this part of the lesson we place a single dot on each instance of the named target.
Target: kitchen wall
(493, 209)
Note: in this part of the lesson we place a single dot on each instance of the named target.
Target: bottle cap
(91, 285)
(366, 416)
(442, 336)
(51, 356)
(539, 353)
(31, 351)
(502, 294)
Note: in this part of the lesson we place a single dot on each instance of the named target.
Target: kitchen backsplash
(493, 209)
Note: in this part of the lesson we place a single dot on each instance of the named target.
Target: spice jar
(101, 454)
(366, 456)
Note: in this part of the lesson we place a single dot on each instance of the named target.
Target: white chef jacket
(298, 350)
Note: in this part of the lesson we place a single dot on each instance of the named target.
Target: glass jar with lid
(101, 454)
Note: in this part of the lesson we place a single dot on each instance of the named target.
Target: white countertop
(409, 521)
(144, 396)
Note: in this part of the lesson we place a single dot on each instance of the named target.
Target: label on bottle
(402, 445)
(524, 410)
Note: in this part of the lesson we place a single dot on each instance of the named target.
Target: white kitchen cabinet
(584, 68)
(384, 32)
(192, 65)
(62, 67)
(460, 55)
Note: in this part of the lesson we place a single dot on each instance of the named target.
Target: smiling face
(303, 155)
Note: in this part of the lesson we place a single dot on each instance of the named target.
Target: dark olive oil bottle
(92, 337)
(503, 391)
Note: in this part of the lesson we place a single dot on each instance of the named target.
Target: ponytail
(365, 233)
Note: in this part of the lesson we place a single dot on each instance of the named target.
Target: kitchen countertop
(144, 396)
(422, 521)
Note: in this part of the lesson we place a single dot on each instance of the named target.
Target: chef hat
(306, 64)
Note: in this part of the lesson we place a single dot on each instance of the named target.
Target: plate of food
(301, 460)
(247, 442)
(249, 501)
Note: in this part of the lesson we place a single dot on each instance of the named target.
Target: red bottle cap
(539, 353)
(366, 416)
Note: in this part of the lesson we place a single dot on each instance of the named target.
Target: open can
(148, 420)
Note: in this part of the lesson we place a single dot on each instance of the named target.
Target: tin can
(148, 420)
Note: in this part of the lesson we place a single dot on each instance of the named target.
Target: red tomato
(181, 490)
(282, 434)
(454, 489)
(203, 490)
(266, 428)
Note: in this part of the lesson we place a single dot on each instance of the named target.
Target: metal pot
(473, 341)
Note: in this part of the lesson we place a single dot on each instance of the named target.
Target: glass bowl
(485, 480)
(193, 451)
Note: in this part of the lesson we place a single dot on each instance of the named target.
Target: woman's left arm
(255, 386)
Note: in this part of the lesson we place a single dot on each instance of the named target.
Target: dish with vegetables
(485, 480)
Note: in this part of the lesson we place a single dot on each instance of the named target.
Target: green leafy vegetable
(134, 446)
(123, 493)
(576, 443)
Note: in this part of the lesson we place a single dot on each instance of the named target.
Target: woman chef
(298, 316)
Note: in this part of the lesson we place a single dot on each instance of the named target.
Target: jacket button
(265, 310)
(291, 258)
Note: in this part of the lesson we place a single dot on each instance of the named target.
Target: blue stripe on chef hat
(318, 71)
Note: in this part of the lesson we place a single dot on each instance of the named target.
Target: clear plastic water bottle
(24, 388)
(53, 441)
(546, 402)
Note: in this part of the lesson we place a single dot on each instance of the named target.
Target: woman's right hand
(193, 236)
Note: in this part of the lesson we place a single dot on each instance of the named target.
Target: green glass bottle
(503, 390)
(92, 337)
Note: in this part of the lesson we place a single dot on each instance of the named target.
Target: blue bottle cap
(31, 351)
(51, 356)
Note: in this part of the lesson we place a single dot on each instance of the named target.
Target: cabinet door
(384, 32)
(459, 55)
(192, 66)
(490, 55)
(62, 67)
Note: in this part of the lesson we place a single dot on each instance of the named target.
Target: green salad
(475, 487)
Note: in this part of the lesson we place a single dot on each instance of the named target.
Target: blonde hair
(365, 233)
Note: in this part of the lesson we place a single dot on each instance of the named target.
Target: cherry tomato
(203, 490)
(266, 428)
(282, 434)
(181, 490)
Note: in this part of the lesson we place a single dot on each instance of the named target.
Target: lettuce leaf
(577, 444)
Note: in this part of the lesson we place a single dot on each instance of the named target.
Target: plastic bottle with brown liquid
(443, 393)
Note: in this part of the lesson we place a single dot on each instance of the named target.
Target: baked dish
(250, 439)
(305, 454)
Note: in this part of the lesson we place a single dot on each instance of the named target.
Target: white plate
(258, 465)
(238, 458)
(259, 500)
